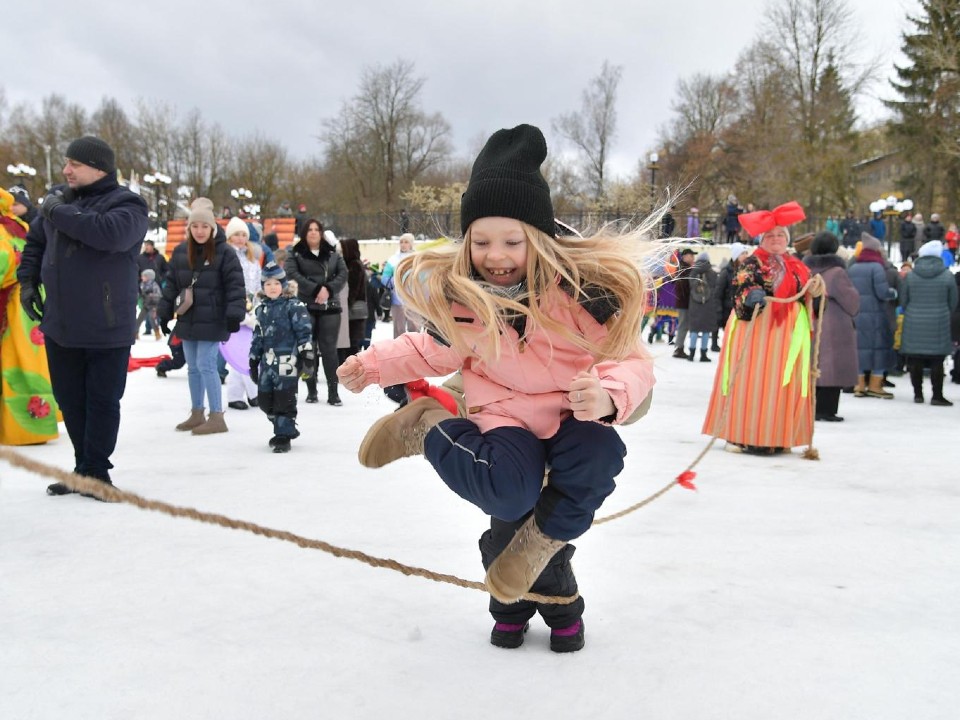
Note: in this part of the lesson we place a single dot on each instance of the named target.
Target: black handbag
(359, 310)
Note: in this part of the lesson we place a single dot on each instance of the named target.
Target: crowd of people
(538, 328)
(879, 320)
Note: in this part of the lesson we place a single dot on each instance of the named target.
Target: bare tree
(817, 38)
(111, 123)
(260, 166)
(593, 128)
(382, 138)
(704, 105)
(156, 135)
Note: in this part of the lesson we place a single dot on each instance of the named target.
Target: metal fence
(432, 225)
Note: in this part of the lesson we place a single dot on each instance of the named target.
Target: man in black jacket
(82, 250)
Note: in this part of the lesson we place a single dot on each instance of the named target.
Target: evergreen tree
(927, 124)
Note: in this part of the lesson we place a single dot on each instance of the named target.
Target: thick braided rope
(108, 493)
(810, 453)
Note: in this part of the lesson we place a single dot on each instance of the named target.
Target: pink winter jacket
(527, 386)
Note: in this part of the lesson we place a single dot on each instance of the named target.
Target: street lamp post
(21, 170)
(157, 181)
(46, 152)
(242, 195)
(654, 160)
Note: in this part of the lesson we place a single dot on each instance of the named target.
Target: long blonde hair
(607, 267)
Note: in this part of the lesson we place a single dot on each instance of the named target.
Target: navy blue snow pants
(501, 471)
(277, 397)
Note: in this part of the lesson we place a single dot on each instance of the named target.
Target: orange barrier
(283, 227)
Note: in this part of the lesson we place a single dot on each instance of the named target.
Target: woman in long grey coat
(874, 336)
(703, 310)
(838, 343)
(929, 296)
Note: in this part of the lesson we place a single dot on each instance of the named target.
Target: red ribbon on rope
(685, 480)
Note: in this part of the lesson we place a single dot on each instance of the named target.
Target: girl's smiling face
(498, 250)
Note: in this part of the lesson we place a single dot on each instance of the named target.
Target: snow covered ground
(783, 589)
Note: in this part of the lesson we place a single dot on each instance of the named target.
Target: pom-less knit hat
(92, 151)
(201, 211)
(869, 242)
(236, 225)
(506, 181)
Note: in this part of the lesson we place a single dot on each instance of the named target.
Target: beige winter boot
(517, 568)
(860, 389)
(157, 334)
(876, 387)
(196, 418)
(214, 424)
(401, 434)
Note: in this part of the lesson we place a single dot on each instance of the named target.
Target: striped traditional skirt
(763, 390)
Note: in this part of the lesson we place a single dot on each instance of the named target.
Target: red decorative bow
(757, 223)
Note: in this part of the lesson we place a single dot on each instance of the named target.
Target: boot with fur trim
(516, 569)
(402, 433)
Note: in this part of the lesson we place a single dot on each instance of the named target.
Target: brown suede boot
(157, 334)
(214, 424)
(860, 389)
(401, 434)
(876, 388)
(516, 569)
(196, 418)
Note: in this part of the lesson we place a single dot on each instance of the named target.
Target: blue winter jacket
(85, 257)
(283, 327)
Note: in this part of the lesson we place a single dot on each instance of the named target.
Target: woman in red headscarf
(762, 400)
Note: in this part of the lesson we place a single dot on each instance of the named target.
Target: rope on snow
(108, 493)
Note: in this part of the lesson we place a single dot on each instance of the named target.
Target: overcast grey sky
(279, 67)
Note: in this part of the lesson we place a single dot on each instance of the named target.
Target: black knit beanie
(92, 151)
(506, 181)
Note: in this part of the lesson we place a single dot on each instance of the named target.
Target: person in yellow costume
(28, 412)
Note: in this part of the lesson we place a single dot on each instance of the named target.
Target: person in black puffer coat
(205, 263)
(83, 251)
(321, 274)
(908, 237)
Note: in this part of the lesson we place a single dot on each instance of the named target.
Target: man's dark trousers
(88, 384)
